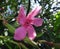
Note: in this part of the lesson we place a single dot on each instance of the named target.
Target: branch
(49, 43)
(28, 7)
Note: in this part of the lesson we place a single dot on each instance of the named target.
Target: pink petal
(34, 12)
(21, 16)
(31, 32)
(37, 22)
(20, 33)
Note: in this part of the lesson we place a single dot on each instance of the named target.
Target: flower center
(27, 22)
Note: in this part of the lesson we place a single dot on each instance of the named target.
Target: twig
(28, 7)
(49, 43)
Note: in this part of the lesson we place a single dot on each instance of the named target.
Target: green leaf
(13, 42)
(7, 45)
(23, 46)
(57, 22)
(58, 36)
(39, 35)
(10, 28)
(31, 42)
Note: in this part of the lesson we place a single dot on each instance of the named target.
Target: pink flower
(26, 24)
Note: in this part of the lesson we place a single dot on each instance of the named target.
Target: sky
(33, 5)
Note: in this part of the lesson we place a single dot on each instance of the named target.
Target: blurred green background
(48, 35)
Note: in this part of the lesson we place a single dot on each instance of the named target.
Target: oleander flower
(26, 22)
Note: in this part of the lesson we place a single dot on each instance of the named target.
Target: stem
(7, 45)
(49, 43)
(31, 42)
(28, 7)
(13, 43)
(23, 46)
(16, 43)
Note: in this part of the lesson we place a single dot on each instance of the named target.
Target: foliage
(48, 35)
